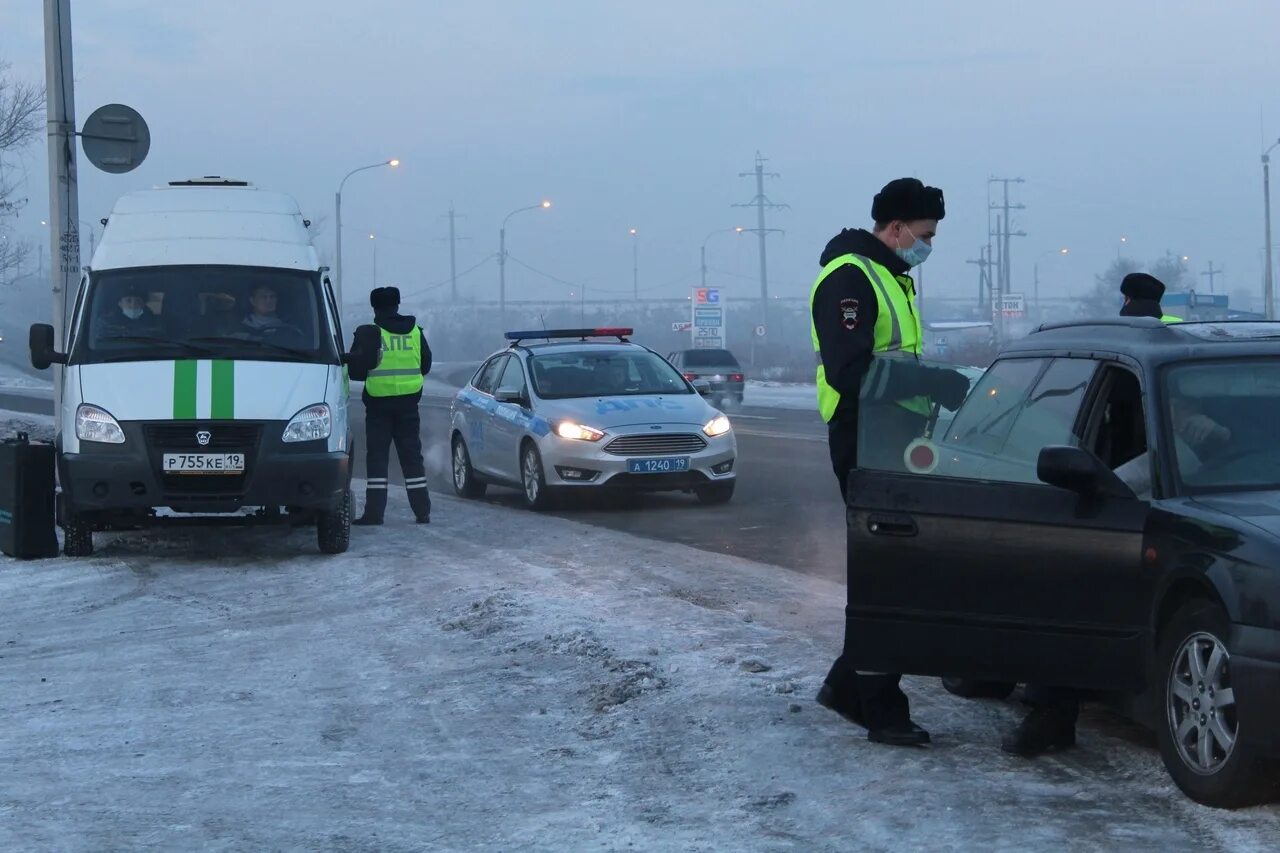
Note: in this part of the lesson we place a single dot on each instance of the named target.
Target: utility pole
(1004, 282)
(760, 202)
(635, 268)
(453, 256)
(64, 205)
(1212, 274)
(1268, 287)
(984, 276)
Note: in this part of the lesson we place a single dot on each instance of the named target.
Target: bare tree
(21, 106)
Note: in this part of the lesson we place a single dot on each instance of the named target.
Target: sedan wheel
(1208, 753)
(465, 482)
(533, 480)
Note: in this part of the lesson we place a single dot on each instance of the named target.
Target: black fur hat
(906, 199)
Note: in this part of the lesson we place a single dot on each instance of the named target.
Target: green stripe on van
(223, 406)
(184, 390)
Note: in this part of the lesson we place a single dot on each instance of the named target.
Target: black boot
(420, 503)
(1043, 730)
(375, 506)
(839, 693)
(888, 712)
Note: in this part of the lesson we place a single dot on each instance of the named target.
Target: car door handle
(898, 525)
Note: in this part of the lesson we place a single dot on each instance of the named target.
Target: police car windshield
(1222, 417)
(603, 372)
(203, 311)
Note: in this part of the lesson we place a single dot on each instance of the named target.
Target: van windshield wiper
(154, 339)
(254, 342)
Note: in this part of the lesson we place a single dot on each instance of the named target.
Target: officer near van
(866, 332)
(391, 357)
(1142, 294)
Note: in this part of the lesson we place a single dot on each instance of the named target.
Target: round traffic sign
(115, 138)
(759, 331)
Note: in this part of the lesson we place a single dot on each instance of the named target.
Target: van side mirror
(40, 342)
(1077, 470)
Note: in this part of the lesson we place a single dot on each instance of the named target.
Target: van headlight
(718, 425)
(95, 424)
(311, 424)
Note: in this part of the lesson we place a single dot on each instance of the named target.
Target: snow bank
(780, 395)
(503, 680)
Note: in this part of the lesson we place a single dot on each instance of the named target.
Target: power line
(1004, 230)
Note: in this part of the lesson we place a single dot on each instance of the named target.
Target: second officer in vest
(875, 395)
(392, 356)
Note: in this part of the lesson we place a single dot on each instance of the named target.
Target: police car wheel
(715, 493)
(77, 538)
(465, 482)
(333, 528)
(1204, 747)
(533, 480)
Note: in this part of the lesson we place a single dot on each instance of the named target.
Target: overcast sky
(1142, 119)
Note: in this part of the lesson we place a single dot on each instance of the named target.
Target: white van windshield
(204, 312)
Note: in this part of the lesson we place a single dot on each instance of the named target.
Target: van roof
(209, 224)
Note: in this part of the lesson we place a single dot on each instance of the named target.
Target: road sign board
(1013, 305)
(115, 138)
(681, 327)
(708, 343)
(760, 331)
(706, 295)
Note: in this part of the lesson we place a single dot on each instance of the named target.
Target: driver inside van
(262, 302)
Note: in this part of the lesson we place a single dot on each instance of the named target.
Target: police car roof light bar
(550, 334)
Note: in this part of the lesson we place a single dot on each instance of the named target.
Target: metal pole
(453, 261)
(64, 207)
(1268, 288)
(704, 266)
(337, 248)
(764, 265)
(502, 278)
(635, 268)
(374, 283)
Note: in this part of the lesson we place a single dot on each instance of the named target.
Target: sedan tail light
(690, 376)
(735, 377)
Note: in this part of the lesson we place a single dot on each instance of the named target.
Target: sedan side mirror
(516, 397)
(40, 343)
(702, 386)
(1077, 470)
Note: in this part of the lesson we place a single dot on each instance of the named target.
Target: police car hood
(629, 410)
(204, 389)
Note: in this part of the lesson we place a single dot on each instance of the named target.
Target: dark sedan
(1102, 513)
(717, 367)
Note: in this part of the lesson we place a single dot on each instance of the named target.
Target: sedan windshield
(1222, 417)
(604, 373)
(203, 312)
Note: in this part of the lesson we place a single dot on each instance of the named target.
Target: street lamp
(337, 228)
(502, 259)
(1268, 289)
(736, 229)
(1123, 242)
(635, 267)
(1036, 267)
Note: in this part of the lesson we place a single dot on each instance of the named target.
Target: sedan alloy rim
(1202, 704)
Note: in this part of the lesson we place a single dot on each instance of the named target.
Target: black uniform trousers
(395, 420)
(879, 696)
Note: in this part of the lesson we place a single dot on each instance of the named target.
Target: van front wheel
(333, 528)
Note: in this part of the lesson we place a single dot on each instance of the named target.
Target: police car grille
(658, 443)
(184, 436)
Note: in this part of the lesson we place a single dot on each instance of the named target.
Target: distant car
(1103, 513)
(574, 412)
(716, 366)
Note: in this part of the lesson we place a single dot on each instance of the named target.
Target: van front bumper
(105, 479)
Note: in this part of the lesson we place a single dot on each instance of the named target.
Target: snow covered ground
(11, 376)
(780, 395)
(504, 680)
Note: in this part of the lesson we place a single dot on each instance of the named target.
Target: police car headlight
(94, 424)
(718, 425)
(578, 432)
(311, 424)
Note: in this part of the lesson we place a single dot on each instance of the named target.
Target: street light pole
(502, 260)
(635, 267)
(1036, 275)
(337, 224)
(1268, 282)
(374, 244)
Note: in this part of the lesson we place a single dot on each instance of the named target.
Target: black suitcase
(26, 498)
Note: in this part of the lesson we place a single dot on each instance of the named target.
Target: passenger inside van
(129, 317)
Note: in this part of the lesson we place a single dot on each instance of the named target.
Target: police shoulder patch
(849, 313)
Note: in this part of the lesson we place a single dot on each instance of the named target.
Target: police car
(578, 411)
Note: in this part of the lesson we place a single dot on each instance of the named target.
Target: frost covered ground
(503, 680)
(11, 376)
(780, 395)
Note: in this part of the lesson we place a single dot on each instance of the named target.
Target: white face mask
(915, 254)
(132, 313)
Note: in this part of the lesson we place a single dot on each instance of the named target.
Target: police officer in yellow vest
(391, 357)
(875, 395)
(1142, 294)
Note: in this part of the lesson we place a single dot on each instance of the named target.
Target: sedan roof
(1150, 341)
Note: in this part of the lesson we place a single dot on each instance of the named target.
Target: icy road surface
(501, 680)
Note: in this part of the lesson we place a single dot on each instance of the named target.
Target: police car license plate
(664, 465)
(204, 463)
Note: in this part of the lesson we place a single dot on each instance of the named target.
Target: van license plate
(204, 463)
(666, 465)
